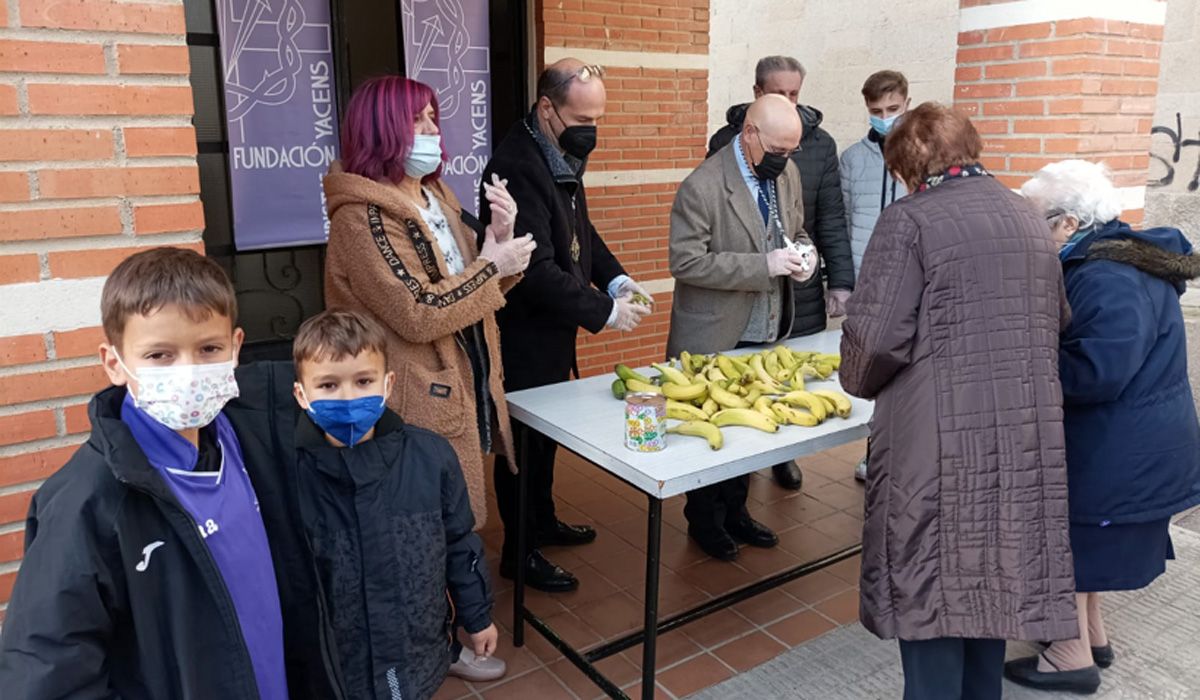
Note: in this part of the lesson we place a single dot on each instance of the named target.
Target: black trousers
(953, 669)
(540, 512)
(708, 509)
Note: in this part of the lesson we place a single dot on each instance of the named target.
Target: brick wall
(653, 134)
(97, 159)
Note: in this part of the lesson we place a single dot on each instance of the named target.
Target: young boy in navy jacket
(384, 508)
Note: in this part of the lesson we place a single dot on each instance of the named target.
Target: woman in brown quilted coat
(953, 330)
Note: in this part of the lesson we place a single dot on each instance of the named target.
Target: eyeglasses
(584, 74)
(785, 154)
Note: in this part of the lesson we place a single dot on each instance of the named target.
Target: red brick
(1145, 31)
(1006, 146)
(83, 342)
(40, 224)
(983, 90)
(13, 509)
(154, 100)
(1062, 47)
(168, 218)
(51, 57)
(971, 38)
(26, 427)
(1129, 162)
(31, 466)
(1090, 64)
(143, 142)
(985, 53)
(1136, 105)
(50, 384)
(1026, 69)
(104, 15)
(55, 144)
(1148, 69)
(991, 126)
(77, 419)
(19, 268)
(1086, 105)
(1087, 144)
(1028, 164)
(1054, 126)
(1054, 88)
(1021, 32)
(1129, 87)
(1136, 49)
(12, 545)
(1014, 107)
(968, 74)
(115, 182)
(157, 60)
(14, 187)
(1088, 25)
(21, 350)
(8, 99)
(96, 262)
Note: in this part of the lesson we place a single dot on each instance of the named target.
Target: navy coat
(1133, 441)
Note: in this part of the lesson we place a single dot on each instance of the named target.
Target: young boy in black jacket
(385, 510)
(147, 570)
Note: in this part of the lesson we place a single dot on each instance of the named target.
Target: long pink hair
(377, 131)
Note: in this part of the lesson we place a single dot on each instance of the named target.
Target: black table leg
(650, 623)
(522, 533)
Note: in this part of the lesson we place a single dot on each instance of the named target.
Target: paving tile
(838, 495)
(807, 544)
(694, 674)
(839, 526)
(622, 570)
(573, 630)
(765, 490)
(772, 517)
(616, 668)
(607, 545)
(539, 684)
(679, 552)
(603, 508)
(763, 562)
(716, 577)
(815, 587)
(669, 649)
(842, 608)
(452, 689)
(767, 607)
(717, 628)
(800, 628)
(847, 570)
(612, 615)
(634, 691)
(747, 652)
(803, 508)
(593, 586)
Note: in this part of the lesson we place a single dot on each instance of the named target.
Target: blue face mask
(347, 420)
(883, 126)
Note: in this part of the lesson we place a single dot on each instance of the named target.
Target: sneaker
(472, 668)
(860, 472)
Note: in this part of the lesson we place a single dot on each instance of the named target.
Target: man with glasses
(573, 281)
(824, 209)
(737, 246)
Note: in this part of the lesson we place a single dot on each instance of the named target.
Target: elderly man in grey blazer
(737, 237)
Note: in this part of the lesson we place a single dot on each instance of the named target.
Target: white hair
(1077, 188)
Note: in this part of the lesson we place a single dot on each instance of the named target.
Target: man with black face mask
(573, 281)
(737, 244)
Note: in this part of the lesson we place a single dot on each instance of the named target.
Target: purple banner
(281, 110)
(446, 46)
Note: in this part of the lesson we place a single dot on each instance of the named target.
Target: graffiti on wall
(1175, 161)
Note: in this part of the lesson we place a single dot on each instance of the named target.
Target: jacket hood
(1164, 253)
(343, 188)
(113, 439)
(811, 117)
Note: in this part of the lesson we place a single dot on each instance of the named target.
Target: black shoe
(541, 574)
(715, 543)
(752, 533)
(1103, 656)
(1084, 681)
(561, 534)
(788, 475)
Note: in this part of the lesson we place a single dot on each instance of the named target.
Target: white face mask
(425, 157)
(184, 396)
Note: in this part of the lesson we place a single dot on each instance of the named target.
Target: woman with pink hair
(403, 251)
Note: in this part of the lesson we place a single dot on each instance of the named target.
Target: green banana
(625, 373)
(699, 428)
(618, 389)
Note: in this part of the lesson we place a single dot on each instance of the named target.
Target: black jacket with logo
(558, 294)
(94, 614)
(824, 211)
(390, 525)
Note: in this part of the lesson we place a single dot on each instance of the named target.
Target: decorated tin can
(645, 422)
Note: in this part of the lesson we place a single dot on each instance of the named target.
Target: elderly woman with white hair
(1133, 441)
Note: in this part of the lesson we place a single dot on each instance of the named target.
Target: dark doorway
(279, 288)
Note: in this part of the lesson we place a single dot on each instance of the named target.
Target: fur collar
(1154, 260)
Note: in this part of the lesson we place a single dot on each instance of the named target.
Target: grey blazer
(717, 256)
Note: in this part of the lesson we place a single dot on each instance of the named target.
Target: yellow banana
(792, 416)
(685, 364)
(771, 362)
(726, 399)
(824, 369)
(763, 406)
(716, 375)
(760, 371)
(739, 364)
(684, 392)
(640, 387)
(833, 359)
(684, 411)
(727, 368)
(841, 402)
(672, 375)
(752, 395)
(699, 378)
(625, 373)
(785, 356)
(797, 380)
(698, 361)
(710, 407)
(805, 399)
(699, 428)
(745, 417)
(830, 409)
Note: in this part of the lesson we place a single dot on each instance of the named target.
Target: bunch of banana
(763, 390)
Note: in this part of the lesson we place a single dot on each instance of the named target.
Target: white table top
(584, 417)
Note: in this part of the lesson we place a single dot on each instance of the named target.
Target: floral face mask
(184, 396)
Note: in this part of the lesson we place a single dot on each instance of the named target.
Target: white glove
(628, 313)
(503, 207)
(630, 288)
(510, 257)
(785, 262)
